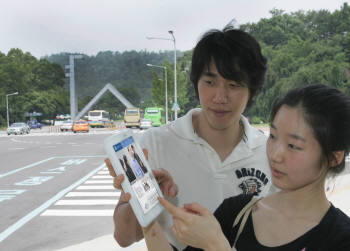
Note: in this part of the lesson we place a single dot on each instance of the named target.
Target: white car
(18, 128)
(145, 124)
(66, 125)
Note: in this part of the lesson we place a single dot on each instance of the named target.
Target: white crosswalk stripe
(93, 194)
(85, 202)
(102, 177)
(99, 181)
(95, 197)
(95, 187)
(64, 212)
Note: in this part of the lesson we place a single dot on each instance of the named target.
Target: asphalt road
(54, 190)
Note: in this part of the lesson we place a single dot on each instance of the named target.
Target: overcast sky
(44, 27)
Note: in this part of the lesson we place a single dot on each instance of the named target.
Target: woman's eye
(291, 146)
(208, 82)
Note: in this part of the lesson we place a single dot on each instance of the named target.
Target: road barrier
(54, 129)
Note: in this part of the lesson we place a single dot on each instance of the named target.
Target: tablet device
(127, 158)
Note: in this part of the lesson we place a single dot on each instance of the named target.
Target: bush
(256, 120)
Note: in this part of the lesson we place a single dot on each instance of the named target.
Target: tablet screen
(137, 173)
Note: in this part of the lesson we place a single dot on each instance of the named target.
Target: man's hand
(117, 181)
(165, 182)
(127, 229)
(164, 179)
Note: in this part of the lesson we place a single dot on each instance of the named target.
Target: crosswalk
(95, 197)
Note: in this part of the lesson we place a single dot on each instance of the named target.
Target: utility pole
(7, 107)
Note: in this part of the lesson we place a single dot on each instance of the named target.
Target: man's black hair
(237, 56)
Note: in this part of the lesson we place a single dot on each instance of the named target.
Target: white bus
(98, 118)
(132, 117)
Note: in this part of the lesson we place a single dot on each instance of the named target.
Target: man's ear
(336, 158)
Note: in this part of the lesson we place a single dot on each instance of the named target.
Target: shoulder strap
(244, 213)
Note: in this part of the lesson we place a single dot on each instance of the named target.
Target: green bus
(156, 114)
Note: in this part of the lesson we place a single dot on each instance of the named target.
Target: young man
(211, 153)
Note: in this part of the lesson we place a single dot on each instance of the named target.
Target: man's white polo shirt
(197, 169)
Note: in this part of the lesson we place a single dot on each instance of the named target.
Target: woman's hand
(196, 226)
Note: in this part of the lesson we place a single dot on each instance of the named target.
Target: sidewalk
(105, 243)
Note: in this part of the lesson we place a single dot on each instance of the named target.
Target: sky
(45, 27)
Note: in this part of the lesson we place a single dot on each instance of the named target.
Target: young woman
(309, 139)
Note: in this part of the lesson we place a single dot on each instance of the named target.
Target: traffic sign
(175, 107)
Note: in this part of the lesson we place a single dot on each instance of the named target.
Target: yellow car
(80, 126)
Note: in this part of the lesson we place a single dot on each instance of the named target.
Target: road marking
(34, 181)
(95, 187)
(9, 194)
(86, 202)
(75, 156)
(73, 162)
(13, 228)
(99, 181)
(16, 148)
(102, 212)
(93, 194)
(102, 177)
(103, 172)
(23, 168)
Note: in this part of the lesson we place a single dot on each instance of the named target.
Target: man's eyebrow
(210, 74)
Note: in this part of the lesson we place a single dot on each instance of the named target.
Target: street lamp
(175, 106)
(73, 94)
(7, 106)
(166, 89)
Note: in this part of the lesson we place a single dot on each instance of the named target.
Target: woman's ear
(336, 158)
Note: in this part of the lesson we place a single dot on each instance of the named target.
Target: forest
(303, 47)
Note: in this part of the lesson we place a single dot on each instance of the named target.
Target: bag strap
(245, 214)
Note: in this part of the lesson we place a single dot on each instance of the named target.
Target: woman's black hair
(327, 111)
(237, 56)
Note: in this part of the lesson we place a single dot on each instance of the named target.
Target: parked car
(145, 124)
(34, 124)
(66, 125)
(18, 128)
(80, 126)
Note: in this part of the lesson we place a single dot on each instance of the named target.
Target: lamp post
(166, 89)
(73, 94)
(7, 106)
(175, 105)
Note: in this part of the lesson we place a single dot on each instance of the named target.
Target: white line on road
(103, 172)
(95, 188)
(16, 148)
(85, 202)
(105, 212)
(99, 181)
(13, 228)
(29, 166)
(93, 194)
(77, 156)
(102, 177)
